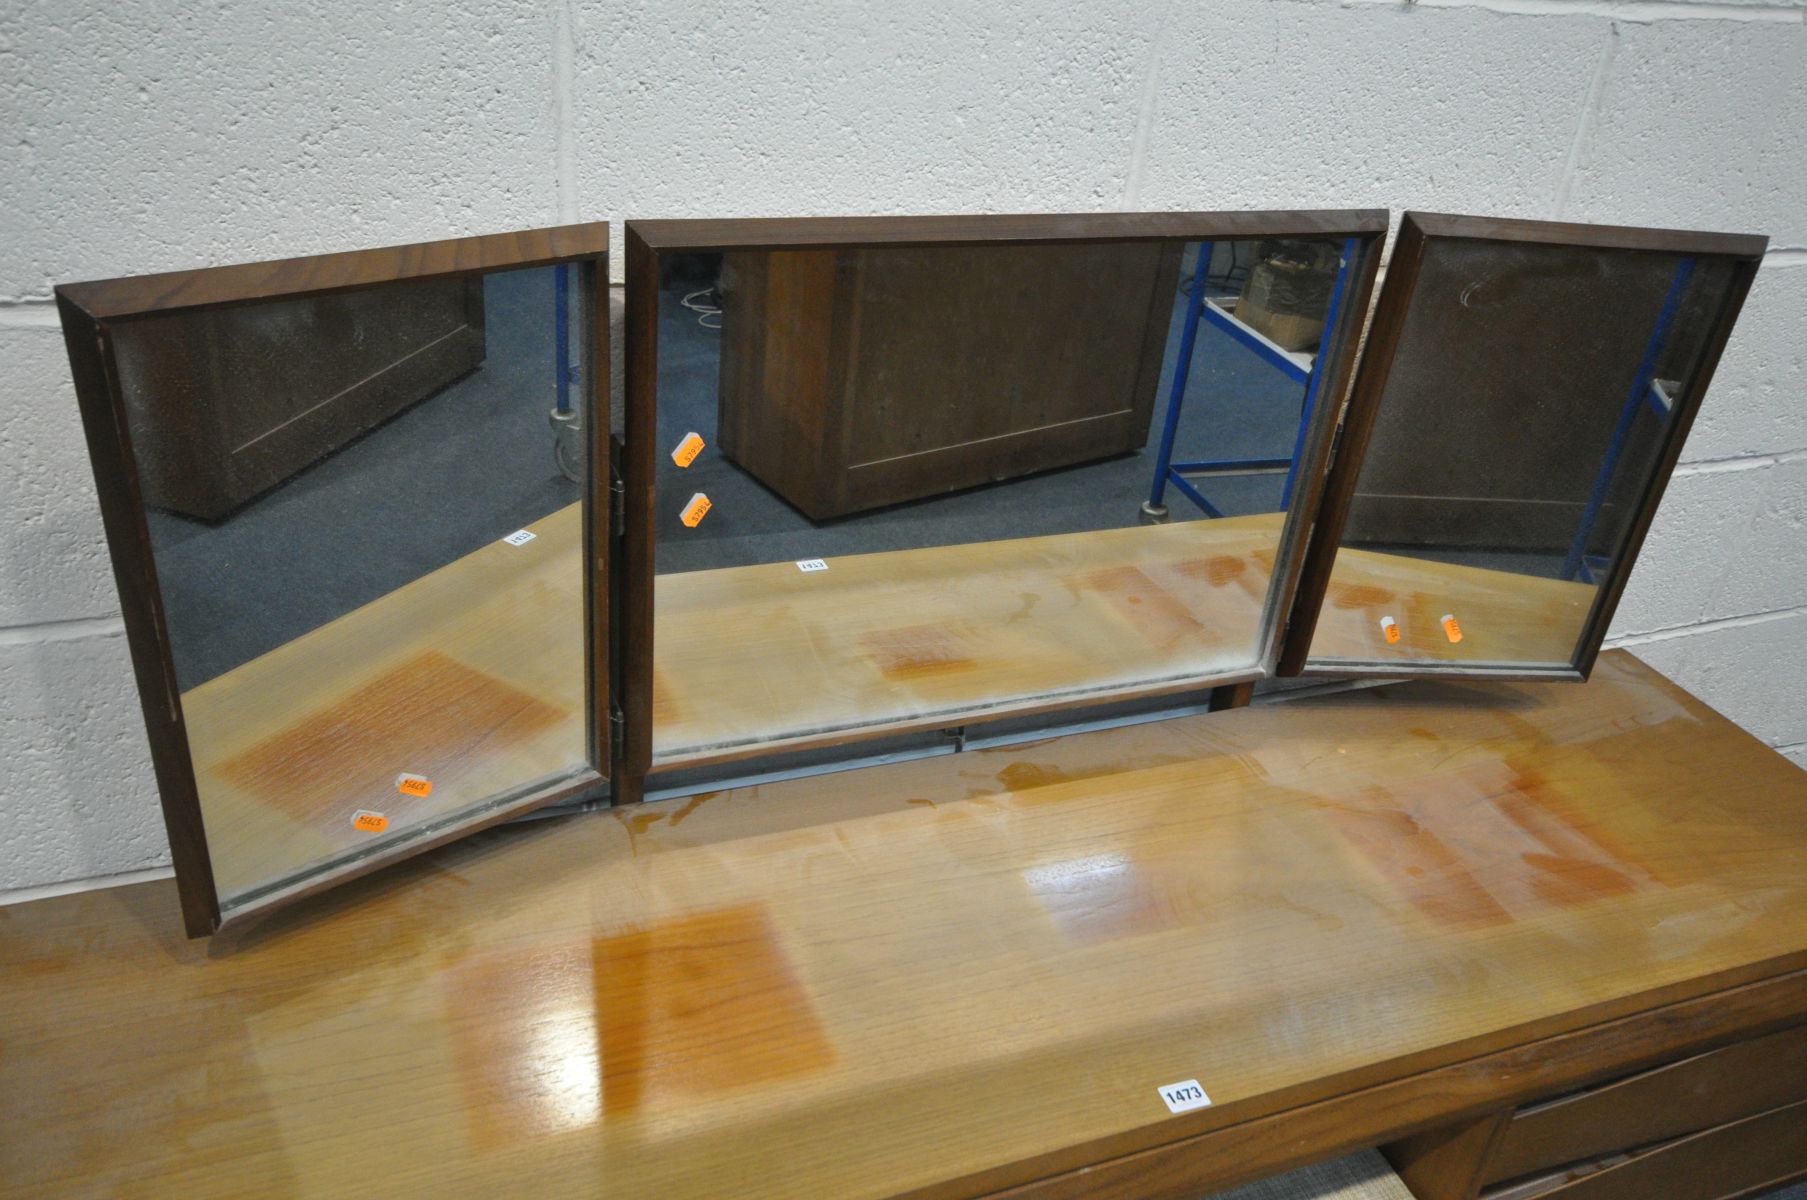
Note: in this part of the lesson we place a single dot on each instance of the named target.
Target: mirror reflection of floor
(444, 477)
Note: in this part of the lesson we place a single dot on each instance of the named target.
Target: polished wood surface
(1354, 916)
(470, 677)
(318, 274)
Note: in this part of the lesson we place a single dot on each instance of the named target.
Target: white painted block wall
(144, 135)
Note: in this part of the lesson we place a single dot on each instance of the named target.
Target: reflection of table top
(953, 974)
(746, 655)
(1503, 617)
(471, 676)
(753, 654)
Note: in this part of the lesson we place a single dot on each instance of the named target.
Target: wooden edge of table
(1116, 1168)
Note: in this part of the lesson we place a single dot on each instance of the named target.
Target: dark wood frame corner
(91, 310)
(1416, 229)
(646, 240)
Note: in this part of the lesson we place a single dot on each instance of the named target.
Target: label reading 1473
(1184, 1096)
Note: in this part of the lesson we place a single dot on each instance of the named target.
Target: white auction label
(520, 537)
(1184, 1096)
(811, 564)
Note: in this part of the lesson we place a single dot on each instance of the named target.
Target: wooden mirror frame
(92, 311)
(647, 240)
(1416, 230)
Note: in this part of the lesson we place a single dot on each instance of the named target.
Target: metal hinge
(617, 734)
(1336, 443)
(617, 503)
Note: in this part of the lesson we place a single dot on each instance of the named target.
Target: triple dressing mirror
(881, 486)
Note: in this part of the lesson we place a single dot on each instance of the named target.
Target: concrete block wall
(143, 135)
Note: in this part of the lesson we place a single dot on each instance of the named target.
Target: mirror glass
(365, 513)
(1519, 430)
(907, 487)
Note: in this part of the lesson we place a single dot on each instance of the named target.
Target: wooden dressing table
(1406, 916)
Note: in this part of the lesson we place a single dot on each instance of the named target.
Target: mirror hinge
(617, 503)
(617, 733)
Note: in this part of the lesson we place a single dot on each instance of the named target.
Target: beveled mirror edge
(1744, 251)
(87, 310)
(646, 240)
(410, 842)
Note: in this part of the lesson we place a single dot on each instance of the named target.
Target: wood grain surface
(1351, 916)
(320, 274)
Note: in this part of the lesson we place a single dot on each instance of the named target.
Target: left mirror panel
(348, 500)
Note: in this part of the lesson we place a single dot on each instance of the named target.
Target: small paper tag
(1184, 1096)
(1451, 630)
(811, 564)
(688, 449)
(1390, 628)
(696, 510)
(369, 822)
(520, 537)
(413, 785)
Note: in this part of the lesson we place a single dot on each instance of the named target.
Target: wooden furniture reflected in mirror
(1522, 400)
(350, 500)
(852, 379)
(245, 401)
(892, 483)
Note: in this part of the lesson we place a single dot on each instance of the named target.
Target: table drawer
(1730, 1160)
(1654, 1106)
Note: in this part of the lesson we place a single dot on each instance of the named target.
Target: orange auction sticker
(369, 822)
(1390, 628)
(414, 785)
(688, 449)
(696, 510)
(1450, 629)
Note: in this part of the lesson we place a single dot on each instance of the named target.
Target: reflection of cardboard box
(1270, 304)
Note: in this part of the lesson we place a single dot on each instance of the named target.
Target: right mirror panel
(1524, 394)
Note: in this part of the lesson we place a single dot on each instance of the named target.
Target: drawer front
(1731, 1160)
(1653, 1106)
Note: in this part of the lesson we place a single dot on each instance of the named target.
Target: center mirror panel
(365, 512)
(911, 487)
